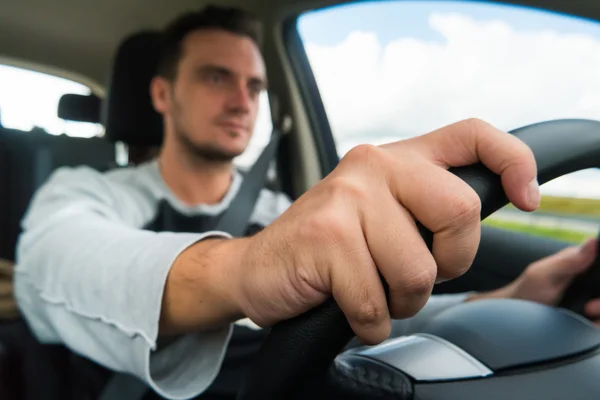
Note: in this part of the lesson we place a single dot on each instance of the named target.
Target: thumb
(568, 263)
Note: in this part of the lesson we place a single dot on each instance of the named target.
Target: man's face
(213, 101)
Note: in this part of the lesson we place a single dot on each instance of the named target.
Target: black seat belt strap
(234, 221)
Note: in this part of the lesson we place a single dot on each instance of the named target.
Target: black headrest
(127, 113)
(80, 108)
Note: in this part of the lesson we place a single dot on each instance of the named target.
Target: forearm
(102, 298)
(200, 291)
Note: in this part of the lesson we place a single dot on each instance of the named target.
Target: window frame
(310, 95)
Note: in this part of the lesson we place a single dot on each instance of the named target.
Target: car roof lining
(76, 39)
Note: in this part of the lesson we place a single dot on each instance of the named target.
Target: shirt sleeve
(88, 280)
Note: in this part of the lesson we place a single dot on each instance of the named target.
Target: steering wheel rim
(301, 349)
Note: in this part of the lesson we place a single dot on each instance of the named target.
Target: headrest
(79, 107)
(127, 112)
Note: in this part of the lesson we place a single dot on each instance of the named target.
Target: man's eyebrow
(214, 68)
(211, 68)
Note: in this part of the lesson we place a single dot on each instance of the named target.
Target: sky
(388, 70)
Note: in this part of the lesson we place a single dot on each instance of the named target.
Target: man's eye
(215, 78)
(255, 89)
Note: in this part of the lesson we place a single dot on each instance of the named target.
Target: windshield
(391, 70)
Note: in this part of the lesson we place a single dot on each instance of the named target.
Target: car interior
(112, 46)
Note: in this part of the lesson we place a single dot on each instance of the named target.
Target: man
(103, 268)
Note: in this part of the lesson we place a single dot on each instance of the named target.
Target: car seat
(28, 369)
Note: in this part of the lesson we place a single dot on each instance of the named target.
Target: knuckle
(362, 152)
(466, 209)
(367, 154)
(324, 225)
(412, 295)
(370, 313)
(411, 288)
(421, 284)
(457, 271)
(519, 156)
(475, 125)
(522, 153)
(345, 187)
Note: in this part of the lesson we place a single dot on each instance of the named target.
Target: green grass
(569, 205)
(553, 233)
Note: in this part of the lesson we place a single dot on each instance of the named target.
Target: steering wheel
(300, 351)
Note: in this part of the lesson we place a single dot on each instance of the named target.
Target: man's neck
(195, 181)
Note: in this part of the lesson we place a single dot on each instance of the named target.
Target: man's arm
(86, 279)
(198, 289)
(101, 288)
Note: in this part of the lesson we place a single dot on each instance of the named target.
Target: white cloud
(481, 69)
(484, 69)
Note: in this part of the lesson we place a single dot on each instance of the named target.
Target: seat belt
(234, 221)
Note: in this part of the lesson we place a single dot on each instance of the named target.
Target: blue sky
(373, 30)
(393, 19)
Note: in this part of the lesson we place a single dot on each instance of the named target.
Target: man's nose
(240, 99)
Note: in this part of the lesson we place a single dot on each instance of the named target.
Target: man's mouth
(234, 127)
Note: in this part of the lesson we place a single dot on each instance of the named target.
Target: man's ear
(160, 92)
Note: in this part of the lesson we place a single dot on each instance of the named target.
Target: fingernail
(533, 193)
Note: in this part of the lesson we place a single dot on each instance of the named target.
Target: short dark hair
(230, 19)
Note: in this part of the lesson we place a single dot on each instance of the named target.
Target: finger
(592, 309)
(356, 285)
(401, 256)
(467, 142)
(564, 266)
(448, 207)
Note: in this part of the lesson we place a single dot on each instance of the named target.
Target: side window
(29, 100)
(261, 135)
(393, 70)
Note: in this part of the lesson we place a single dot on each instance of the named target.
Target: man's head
(208, 82)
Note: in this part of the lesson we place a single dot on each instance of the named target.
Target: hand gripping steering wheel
(299, 352)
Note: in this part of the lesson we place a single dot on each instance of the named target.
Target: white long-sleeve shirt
(92, 265)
